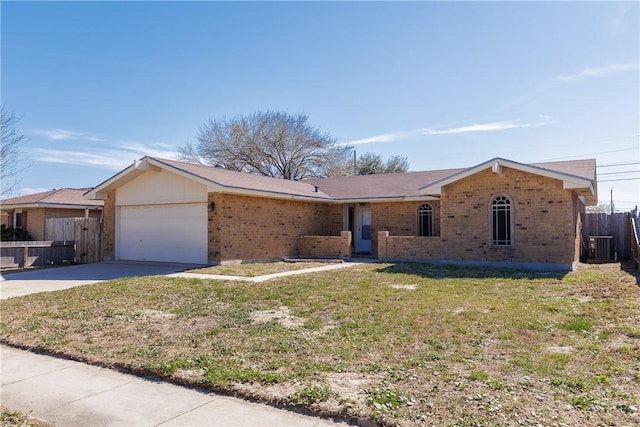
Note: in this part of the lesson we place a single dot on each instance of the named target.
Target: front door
(363, 229)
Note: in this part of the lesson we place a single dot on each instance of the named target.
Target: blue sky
(446, 84)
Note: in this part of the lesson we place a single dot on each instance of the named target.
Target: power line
(618, 173)
(618, 164)
(621, 179)
(590, 154)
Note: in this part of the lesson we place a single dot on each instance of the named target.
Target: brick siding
(399, 219)
(408, 248)
(545, 224)
(247, 228)
(325, 246)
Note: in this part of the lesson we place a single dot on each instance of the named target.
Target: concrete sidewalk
(68, 393)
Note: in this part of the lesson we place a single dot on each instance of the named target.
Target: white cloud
(483, 127)
(104, 159)
(112, 158)
(597, 72)
(66, 135)
(156, 149)
(32, 190)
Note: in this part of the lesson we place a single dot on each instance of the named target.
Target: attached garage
(161, 216)
(164, 233)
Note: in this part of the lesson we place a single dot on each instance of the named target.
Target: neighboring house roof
(578, 175)
(62, 198)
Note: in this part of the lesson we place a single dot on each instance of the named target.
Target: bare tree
(269, 143)
(371, 163)
(12, 156)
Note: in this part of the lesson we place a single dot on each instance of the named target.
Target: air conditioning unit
(601, 249)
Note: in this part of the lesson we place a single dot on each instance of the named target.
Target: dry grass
(18, 419)
(402, 344)
(257, 269)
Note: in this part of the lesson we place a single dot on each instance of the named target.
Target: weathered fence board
(35, 253)
(85, 232)
(616, 225)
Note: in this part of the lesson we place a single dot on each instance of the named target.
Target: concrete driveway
(54, 279)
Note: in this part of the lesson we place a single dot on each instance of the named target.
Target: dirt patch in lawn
(282, 315)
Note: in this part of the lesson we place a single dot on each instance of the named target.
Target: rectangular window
(17, 220)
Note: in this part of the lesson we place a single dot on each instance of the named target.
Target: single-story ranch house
(30, 212)
(499, 212)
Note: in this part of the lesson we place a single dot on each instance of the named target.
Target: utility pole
(354, 162)
(612, 201)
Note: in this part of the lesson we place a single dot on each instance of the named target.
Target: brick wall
(325, 246)
(244, 228)
(543, 229)
(399, 219)
(407, 248)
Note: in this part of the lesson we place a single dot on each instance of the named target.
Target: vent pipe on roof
(315, 188)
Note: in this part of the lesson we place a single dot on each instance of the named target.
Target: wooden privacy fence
(35, 253)
(606, 224)
(85, 232)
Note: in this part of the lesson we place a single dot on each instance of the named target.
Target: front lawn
(402, 344)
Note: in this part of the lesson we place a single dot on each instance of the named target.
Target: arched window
(425, 220)
(501, 221)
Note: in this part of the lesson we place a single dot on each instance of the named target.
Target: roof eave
(569, 181)
(270, 194)
(420, 198)
(51, 206)
(136, 169)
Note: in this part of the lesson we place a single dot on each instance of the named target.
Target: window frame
(425, 210)
(501, 221)
(18, 214)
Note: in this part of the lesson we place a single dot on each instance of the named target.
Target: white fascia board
(568, 181)
(424, 198)
(50, 206)
(20, 206)
(212, 186)
(270, 194)
(67, 206)
(99, 192)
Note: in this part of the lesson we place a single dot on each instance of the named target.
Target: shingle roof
(62, 196)
(365, 187)
(408, 184)
(390, 185)
(239, 180)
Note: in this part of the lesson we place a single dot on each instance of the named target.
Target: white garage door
(167, 233)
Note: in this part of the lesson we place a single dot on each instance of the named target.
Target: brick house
(30, 212)
(499, 213)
